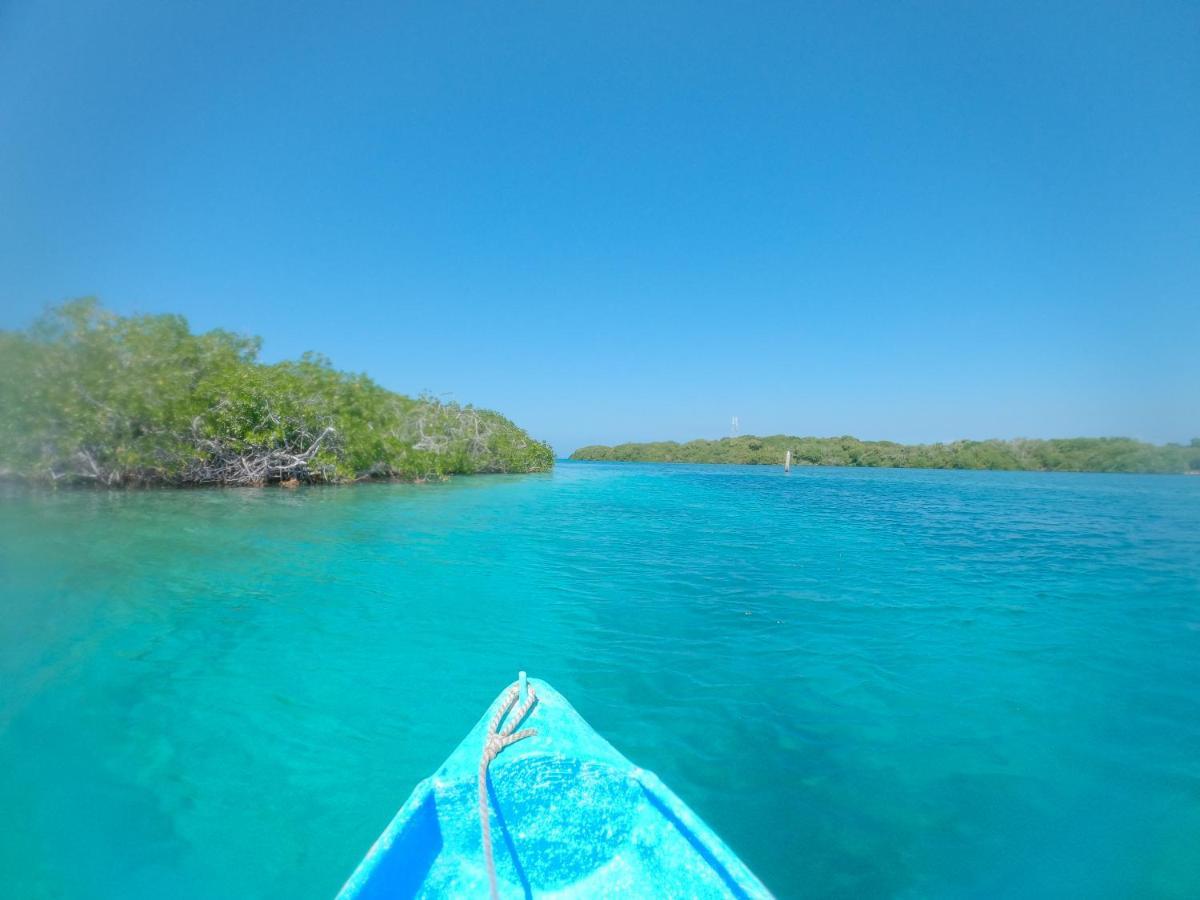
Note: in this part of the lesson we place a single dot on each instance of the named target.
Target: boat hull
(570, 817)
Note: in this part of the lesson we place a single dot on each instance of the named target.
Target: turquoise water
(871, 683)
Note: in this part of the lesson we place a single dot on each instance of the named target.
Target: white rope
(496, 740)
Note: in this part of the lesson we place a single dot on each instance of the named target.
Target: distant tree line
(87, 396)
(1115, 454)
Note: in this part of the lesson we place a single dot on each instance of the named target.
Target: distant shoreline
(1110, 454)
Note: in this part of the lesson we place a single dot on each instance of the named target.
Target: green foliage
(1060, 455)
(86, 395)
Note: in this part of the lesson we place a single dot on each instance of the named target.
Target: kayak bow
(569, 817)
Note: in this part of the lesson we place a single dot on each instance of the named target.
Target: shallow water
(871, 683)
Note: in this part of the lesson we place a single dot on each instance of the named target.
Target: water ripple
(871, 682)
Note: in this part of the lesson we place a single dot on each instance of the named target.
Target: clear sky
(613, 221)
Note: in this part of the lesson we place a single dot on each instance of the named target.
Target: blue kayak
(566, 816)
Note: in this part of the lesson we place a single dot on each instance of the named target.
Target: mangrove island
(91, 397)
(1104, 454)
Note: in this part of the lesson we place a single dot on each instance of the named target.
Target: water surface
(872, 683)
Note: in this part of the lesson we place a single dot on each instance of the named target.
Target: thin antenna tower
(733, 427)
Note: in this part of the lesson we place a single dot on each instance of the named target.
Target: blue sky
(612, 221)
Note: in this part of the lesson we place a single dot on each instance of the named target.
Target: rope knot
(493, 745)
